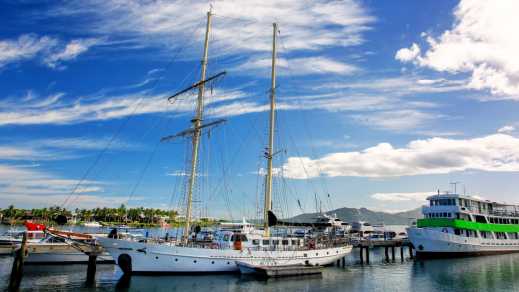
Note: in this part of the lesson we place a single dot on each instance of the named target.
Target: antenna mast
(270, 153)
(197, 123)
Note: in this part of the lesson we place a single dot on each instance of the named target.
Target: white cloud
(396, 120)
(482, 41)
(25, 47)
(300, 66)
(506, 129)
(29, 186)
(183, 173)
(408, 54)
(73, 49)
(242, 28)
(25, 153)
(52, 110)
(498, 152)
(52, 51)
(401, 197)
(237, 26)
(57, 148)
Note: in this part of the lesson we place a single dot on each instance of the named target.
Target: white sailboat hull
(164, 258)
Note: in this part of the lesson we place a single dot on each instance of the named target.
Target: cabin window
(457, 232)
(275, 242)
(284, 242)
(295, 242)
(480, 219)
(265, 242)
(255, 241)
(226, 237)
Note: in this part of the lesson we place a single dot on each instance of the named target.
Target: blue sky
(380, 103)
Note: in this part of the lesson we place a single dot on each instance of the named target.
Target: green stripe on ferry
(462, 224)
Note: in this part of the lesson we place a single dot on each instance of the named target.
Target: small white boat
(92, 224)
(277, 271)
(58, 248)
(12, 239)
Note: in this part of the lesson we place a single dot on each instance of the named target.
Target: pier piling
(411, 251)
(393, 253)
(367, 255)
(361, 255)
(343, 262)
(386, 253)
(91, 269)
(17, 269)
(402, 253)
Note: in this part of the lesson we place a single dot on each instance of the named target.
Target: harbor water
(490, 273)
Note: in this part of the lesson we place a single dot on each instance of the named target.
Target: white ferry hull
(433, 243)
(163, 258)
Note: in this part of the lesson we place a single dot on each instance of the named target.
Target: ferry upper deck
(450, 204)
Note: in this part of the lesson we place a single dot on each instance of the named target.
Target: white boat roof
(468, 197)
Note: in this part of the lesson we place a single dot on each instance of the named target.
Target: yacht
(92, 224)
(11, 240)
(461, 225)
(247, 244)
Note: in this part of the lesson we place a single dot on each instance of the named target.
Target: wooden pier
(364, 247)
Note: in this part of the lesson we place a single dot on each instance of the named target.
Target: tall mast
(268, 186)
(197, 123)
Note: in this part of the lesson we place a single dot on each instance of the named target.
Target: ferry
(459, 225)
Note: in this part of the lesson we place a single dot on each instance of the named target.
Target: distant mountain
(363, 214)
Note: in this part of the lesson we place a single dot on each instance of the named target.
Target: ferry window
(457, 231)
(294, 242)
(284, 242)
(449, 215)
(275, 242)
(444, 214)
(459, 202)
(255, 241)
(226, 237)
(265, 242)
(232, 237)
(480, 219)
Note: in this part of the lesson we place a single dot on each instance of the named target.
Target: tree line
(121, 214)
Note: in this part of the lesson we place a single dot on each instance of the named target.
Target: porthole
(316, 254)
(176, 260)
(194, 261)
(327, 253)
(228, 263)
(212, 262)
(156, 258)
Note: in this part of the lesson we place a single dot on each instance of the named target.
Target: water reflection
(469, 274)
(493, 273)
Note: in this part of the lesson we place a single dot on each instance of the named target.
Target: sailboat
(241, 244)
